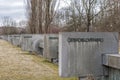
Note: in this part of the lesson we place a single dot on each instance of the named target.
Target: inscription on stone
(80, 53)
(27, 36)
(85, 39)
(53, 37)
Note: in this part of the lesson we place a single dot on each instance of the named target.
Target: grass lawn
(16, 64)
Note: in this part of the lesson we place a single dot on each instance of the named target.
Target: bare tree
(109, 20)
(80, 15)
(40, 14)
(9, 26)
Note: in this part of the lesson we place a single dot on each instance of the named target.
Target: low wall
(38, 44)
(25, 43)
(47, 47)
(112, 62)
(114, 74)
(51, 47)
(16, 40)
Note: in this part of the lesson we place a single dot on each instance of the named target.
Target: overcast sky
(13, 8)
(16, 9)
(64, 3)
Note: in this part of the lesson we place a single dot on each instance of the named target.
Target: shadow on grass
(46, 61)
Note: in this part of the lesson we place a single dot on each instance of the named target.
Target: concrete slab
(81, 52)
(112, 60)
(16, 40)
(51, 47)
(38, 43)
(25, 42)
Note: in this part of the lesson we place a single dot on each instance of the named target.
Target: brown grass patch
(20, 65)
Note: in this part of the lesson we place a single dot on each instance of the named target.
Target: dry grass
(19, 65)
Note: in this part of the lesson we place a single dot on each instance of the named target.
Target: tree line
(10, 26)
(77, 16)
(40, 14)
(93, 15)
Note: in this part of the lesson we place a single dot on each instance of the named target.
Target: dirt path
(19, 65)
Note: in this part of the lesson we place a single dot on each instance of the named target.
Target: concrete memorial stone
(26, 44)
(4, 37)
(81, 53)
(51, 47)
(10, 39)
(112, 60)
(38, 43)
(16, 40)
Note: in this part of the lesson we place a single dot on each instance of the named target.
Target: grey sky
(16, 9)
(64, 3)
(13, 8)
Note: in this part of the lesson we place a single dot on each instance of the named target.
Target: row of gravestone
(80, 53)
(44, 45)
